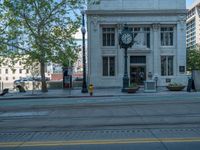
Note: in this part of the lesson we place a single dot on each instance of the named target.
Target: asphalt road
(108, 139)
(119, 123)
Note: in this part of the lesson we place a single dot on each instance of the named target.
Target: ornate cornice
(137, 12)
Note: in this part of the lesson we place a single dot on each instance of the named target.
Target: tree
(40, 30)
(193, 58)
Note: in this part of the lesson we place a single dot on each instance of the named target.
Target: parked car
(22, 80)
(39, 78)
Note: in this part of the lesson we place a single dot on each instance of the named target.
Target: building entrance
(137, 74)
(137, 69)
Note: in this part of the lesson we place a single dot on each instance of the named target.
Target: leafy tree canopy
(41, 29)
(193, 58)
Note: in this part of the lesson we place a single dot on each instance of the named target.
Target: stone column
(94, 51)
(181, 44)
(120, 56)
(156, 50)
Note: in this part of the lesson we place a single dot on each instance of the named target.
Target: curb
(51, 97)
(39, 96)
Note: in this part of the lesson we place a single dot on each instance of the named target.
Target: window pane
(171, 38)
(167, 36)
(148, 40)
(171, 29)
(112, 39)
(170, 65)
(163, 65)
(138, 59)
(105, 66)
(112, 66)
(166, 39)
(104, 39)
(112, 29)
(108, 40)
(104, 29)
(162, 39)
(108, 35)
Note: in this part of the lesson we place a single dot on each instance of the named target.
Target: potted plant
(175, 87)
(133, 87)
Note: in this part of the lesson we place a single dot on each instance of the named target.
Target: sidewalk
(70, 98)
(76, 93)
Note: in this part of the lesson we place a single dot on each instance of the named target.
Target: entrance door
(137, 74)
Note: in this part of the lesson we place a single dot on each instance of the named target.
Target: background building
(10, 74)
(193, 24)
(160, 41)
(55, 72)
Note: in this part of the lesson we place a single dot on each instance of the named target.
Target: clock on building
(126, 38)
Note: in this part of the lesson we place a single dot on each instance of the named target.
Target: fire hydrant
(91, 89)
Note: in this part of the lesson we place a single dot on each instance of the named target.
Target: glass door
(137, 74)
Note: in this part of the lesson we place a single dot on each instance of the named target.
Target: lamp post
(125, 78)
(126, 40)
(83, 30)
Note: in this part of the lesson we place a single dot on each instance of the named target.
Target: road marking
(98, 142)
(24, 114)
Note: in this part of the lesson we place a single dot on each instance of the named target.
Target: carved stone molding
(156, 26)
(119, 27)
(95, 20)
(182, 22)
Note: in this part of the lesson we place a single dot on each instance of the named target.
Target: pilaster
(94, 54)
(156, 50)
(181, 43)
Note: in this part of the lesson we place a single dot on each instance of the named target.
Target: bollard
(91, 89)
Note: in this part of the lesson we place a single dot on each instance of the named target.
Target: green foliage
(193, 58)
(133, 85)
(40, 29)
(175, 84)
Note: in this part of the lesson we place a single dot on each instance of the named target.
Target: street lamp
(83, 30)
(126, 40)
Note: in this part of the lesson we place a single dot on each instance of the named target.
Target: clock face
(126, 38)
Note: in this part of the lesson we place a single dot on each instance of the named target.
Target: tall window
(109, 66)
(167, 65)
(20, 71)
(108, 36)
(13, 71)
(142, 36)
(167, 36)
(6, 71)
(147, 36)
(27, 71)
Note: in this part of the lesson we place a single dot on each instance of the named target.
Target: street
(125, 122)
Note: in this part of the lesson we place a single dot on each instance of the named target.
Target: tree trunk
(43, 79)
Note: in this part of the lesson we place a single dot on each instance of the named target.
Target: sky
(189, 2)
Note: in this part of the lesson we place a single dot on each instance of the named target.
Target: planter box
(132, 90)
(175, 88)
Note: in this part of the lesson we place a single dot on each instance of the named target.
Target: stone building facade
(159, 49)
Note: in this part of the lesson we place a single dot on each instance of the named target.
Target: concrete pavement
(76, 93)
